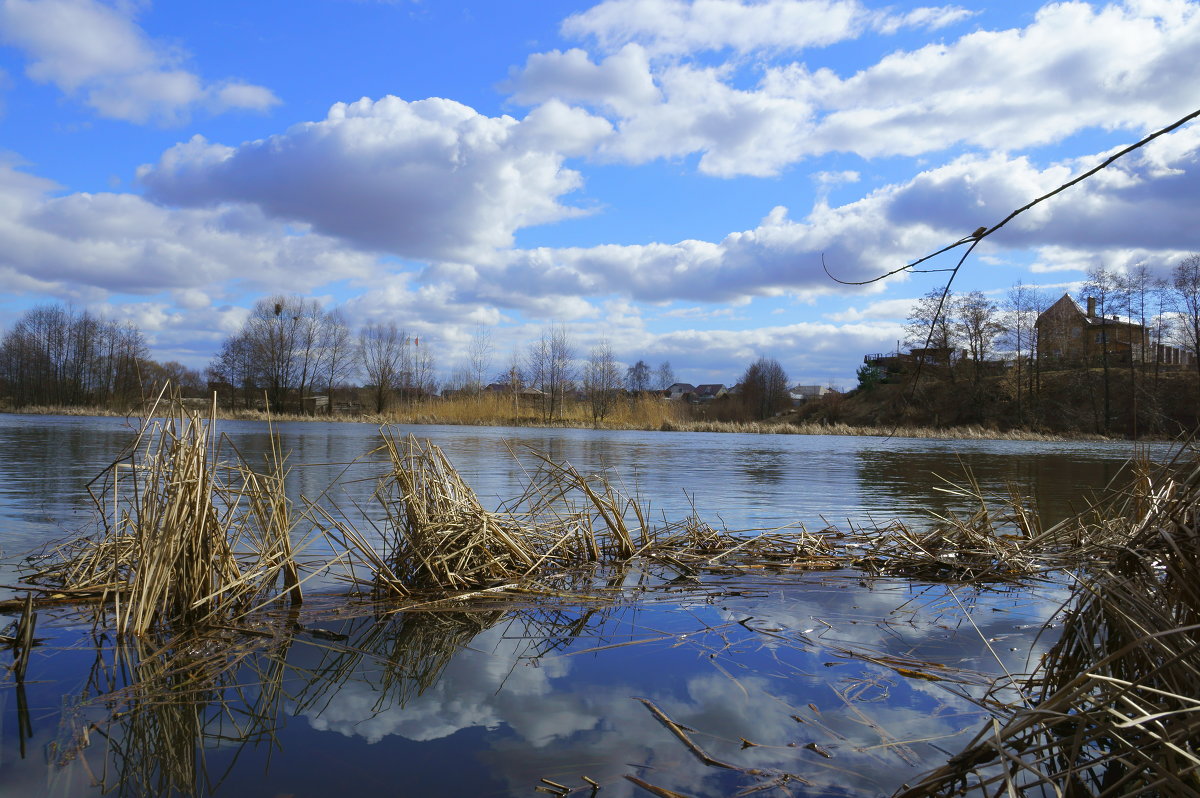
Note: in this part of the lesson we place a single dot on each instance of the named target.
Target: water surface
(802, 684)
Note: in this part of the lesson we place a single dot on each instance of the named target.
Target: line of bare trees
(553, 368)
(56, 355)
(291, 349)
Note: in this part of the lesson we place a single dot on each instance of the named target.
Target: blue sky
(662, 174)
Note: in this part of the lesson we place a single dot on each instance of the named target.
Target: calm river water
(792, 677)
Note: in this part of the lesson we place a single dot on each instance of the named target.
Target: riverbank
(788, 424)
(1117, 405)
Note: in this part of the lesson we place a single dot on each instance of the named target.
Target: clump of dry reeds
(435, 533)
(186, 539)
(437, 536)
(1114, 707)
(998, 538)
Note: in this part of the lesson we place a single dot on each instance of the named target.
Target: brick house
(1065, 332)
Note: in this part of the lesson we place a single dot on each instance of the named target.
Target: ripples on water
(817, 675)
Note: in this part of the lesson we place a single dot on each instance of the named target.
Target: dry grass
(437, 536)
(786, 426)
(62, 410)
(644, 413)
(1114, 708)
(647, 413)
(185, 539)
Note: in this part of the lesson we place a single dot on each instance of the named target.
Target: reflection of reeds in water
(168, 703)
(403, 654)
(186, 539)
(414, 654)
(1114, 708)
(400, 655)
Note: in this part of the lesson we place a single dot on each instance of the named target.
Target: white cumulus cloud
(101, 243)
(425, 179)
(98, 51)
(675, 26)
(1075, 66)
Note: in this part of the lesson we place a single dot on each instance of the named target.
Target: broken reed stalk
(1114, 707)
(23, 639)
(186, 539)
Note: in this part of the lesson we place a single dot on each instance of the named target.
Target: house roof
(709, 389)
(1069, 306)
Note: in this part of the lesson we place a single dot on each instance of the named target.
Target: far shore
(426, 415)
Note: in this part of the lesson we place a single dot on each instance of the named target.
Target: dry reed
(186, 539)
(437, 536)
(1114, 707)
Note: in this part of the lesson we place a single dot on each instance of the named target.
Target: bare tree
(764, 388)
(460, 380)
(1022, 308)
(479, 357)
(977, 323)
(283, 334)
(1102, 286)
(234, 366)
(337, 353)
(419, 370)
(155, 376)
(551, 362)
(1159, 308)
(637, 377)
(537, 367)
(931, 323)
(379, 353)
(1185, 282)
(664, 376)
(513, 379)
(601, 380)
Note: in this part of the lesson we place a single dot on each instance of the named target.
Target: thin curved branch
(904, 268)
(984, 232)
(938, 313)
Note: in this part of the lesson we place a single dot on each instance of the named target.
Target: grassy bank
(649, 414)
(1075, 403)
